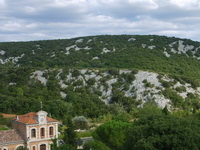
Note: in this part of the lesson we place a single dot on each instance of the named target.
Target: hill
(87, 73)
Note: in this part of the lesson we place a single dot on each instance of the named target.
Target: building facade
(33, 131)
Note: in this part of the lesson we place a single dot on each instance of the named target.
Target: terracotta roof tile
(28, 118)
(9, 136)
(31, 118)
(51, 119)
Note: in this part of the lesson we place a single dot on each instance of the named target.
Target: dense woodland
(20, 94)
(154, 129)
(123, 53)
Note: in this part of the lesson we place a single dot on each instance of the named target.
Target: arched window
(33, 133)
(50, 131)
(34, 148)
(42, 132)
(43, 147)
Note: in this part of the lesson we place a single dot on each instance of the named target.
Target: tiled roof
(28, 118)
(51, 120)
(31, 118)
(10, 136)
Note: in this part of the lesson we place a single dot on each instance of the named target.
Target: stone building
(33, 131)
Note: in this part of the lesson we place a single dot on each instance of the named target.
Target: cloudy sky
(25, 20)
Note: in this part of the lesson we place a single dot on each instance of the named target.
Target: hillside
(87, 73)
(155, 53)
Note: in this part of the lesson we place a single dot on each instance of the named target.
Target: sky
(28, 20)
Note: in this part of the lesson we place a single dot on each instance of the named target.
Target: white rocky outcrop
(181, 47)
(105, 50)
(166, 54)
(95, 58)
(79, 41)
(151, 47)
(2, 52)
(131, 39)
(12, 59)
(38, 75)
(144, 45)
(146, 86)
(63, 94)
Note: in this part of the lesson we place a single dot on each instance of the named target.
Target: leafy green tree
(80, 122)
(122, 116)
(112, 133)
(148, 110)
(161, 132)
(95, 145)
(56, 146)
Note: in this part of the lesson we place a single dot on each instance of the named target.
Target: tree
(69, 133)
(148, 110)
(95, 145)
(80, 122)
(161, 132)
(122, 116)
(112, 133)
(56, 146)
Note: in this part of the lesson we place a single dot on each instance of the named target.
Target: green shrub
(91, 81)
(166, 84)
(95, 145)
(176, 99)
(181, 89)
(113, 72)
(76, 73)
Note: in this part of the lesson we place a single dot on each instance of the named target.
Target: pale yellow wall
(37, 144)
(38, 127)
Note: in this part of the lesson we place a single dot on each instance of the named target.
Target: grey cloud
(45, 11)
(51, 19)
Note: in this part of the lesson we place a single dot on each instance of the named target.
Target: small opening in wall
(33, 148)
(33, 133)
(51, 131)
(42, 132)
(43, 147)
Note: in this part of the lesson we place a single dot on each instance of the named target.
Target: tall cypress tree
(69, 133)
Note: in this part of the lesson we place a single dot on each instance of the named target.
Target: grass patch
(3, 128)
(84, 134)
